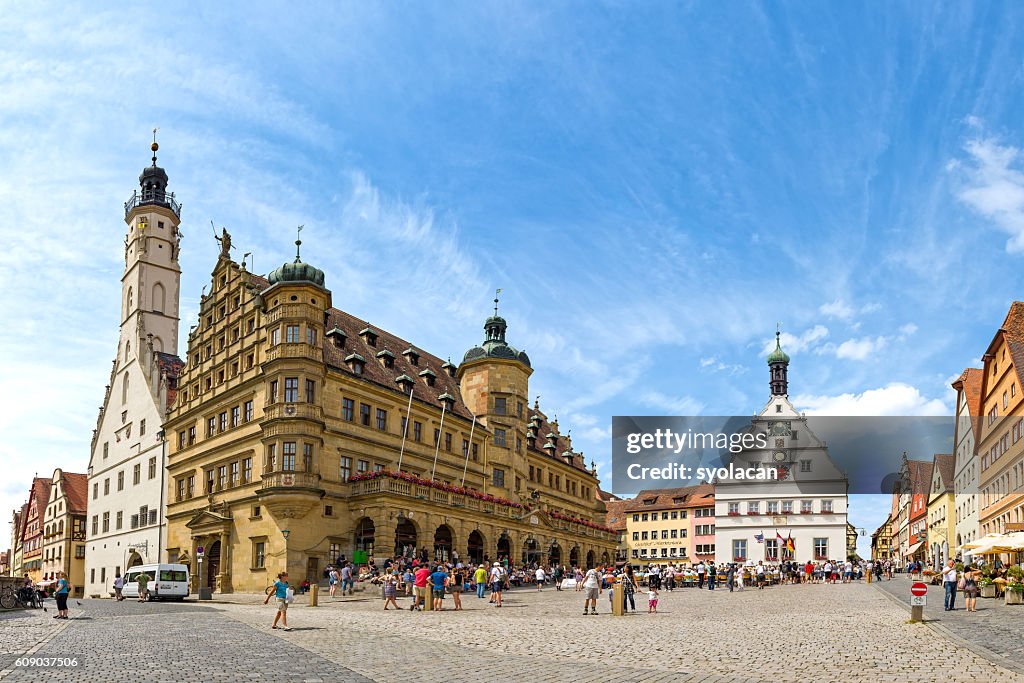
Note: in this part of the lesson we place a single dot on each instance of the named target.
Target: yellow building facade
(667, 525)
(942, 511)
(301, 436)
(64, 529)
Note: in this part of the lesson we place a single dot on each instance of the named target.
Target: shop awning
(913, 548)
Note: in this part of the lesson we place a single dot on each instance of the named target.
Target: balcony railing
(290, 480)
(152, 198)
(295, 350)
(306, 411)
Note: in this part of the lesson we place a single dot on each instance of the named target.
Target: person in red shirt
(808, 571)
(419, 587)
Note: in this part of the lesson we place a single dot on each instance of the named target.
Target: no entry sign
(918, 588)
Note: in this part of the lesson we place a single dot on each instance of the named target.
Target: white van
(172, 584)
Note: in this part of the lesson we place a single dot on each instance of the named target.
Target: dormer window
(428, 376)
(405, 382)
(412, 355)
(355, 363)
(448, 400)
(386, 358)
(337, 336)
(449, 367)
(369, 336)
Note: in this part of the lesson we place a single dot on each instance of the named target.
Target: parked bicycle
(20, 597)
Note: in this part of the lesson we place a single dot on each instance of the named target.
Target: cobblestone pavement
(135, 642)
(995, 626)
(818, 632)
(853, 632)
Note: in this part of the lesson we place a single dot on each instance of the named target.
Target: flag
(790, 544)
(779, 536)
(759, 537)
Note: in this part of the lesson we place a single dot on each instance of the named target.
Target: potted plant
(1014, 586)
(987, 586)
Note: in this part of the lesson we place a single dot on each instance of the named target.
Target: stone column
(224, 579)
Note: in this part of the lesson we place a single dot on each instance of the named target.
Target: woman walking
(61, 594)
(280, 593)
(970, 585)
(629, 587)
(458, 581)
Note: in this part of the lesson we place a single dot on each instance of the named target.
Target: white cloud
(993, 185)
(671, 405)
(793, 344)
(907, 330)
(713, 364)
(837, 309)
(859, 349)
(895, 398)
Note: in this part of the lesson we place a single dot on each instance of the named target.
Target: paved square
(791, 633)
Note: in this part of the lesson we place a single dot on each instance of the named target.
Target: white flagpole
(440, 433)
(468, 450)
(405, 432)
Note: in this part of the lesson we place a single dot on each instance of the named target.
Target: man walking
(118, 587)
(497, 583)
(949, 583)
(480, 577)
(591, 590)
(701, 570)
(143, 582)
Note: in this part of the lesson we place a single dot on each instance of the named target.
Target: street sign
(199, 550)
(918, 600)
(919, 589)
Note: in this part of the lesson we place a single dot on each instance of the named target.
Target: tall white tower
(126, 469)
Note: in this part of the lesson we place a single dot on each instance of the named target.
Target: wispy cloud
(993, 185)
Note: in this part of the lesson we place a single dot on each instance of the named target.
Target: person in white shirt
(701, 571)
(949, 577)
(540, 577)
(497, 582)
(591, 590)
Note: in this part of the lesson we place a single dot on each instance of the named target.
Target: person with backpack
(498, 578)
(334, 578)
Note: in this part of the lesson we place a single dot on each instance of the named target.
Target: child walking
(652, 600)
(280, 592)
(390, 590)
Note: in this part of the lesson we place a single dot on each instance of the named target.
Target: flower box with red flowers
(734, 514)
(739, 558)
(807, 512)
(755, 512)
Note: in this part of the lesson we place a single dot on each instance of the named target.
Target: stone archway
(405, 538)
(590, 559)
(444, 543)
(364, 537)
(554, 554)
(475, 547)
(504, 548)
(574, 556)
(134, 560)
(531, 551)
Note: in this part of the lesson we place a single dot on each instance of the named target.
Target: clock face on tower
(779, 456)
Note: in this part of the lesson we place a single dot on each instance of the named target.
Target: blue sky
(653, 185)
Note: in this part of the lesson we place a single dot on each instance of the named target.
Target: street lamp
(285, 533)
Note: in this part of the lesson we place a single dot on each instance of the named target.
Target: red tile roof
(947, 470)
(76, 489)
(616, 515)
(374, 371)
(170, 367)
(40, 491)
(970, 383)
(673, 499)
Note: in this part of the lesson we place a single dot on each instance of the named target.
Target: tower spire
(778, 366)
(154, 146)
(496, 293)
(298, 241)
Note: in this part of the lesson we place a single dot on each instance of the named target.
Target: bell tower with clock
(149, 286)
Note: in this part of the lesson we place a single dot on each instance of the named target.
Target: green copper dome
(778, 355)
(297, 271)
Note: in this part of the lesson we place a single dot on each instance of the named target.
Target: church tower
(149, 286)
(126, 484)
